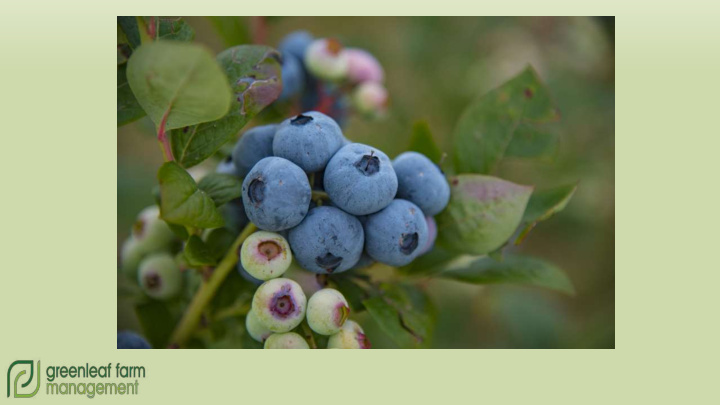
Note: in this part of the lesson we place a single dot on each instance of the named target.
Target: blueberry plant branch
(164, 139)
(207, 290)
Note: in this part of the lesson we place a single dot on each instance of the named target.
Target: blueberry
(293, 77)
(289, 340)
(159, 276)
(351, 336)
(363, 67)
(421, 182)
(396, 235)
(279, 304)
(234, 214)
(276, 194)
(131, 340)
(253, 146)
(326, 59)
(370, 99)
(244, 273)
(152, 232)
(227, 166)
(295, 44)
(131, 253)
(265, 255)
(309, 140)
(327, 311)
(432, 235)
(360, 179)
(255, 328)
(364, 262)
(327, 241)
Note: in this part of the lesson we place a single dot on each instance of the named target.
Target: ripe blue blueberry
(227, 166)
(396, 235)
(131, 340)
(293, 77)
(279, 304)
(159, 276)
(244, 273)
(421, 182)
(327, 311)
(265, 255)
(276, 194)
(290, 340)
(309, 140)
(327, 241)
(432, 235)
(350, 336)
(234, 214)
(360, 179)
(364, 262)
(253, 146)
(295, 44)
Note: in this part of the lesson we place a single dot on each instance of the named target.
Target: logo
(17, 394)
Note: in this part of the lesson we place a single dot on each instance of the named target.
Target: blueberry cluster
(326, 76)
(335, 202)
(333, 206)
(279, 306)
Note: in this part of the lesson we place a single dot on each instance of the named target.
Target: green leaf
(514, 269)
(254, 74)
(544, 204)
(180, 231)
(123, 46)
(128, 108)
(404, 313)
(486, 128)
(232, 30)
(482, 214)
(528, 142)
(182, 203)
(129, 27)
(430, 263)
(175, 29)
(178, 83)
(156, 321)
(422, 141)
(221, 187)
(219, 241)
(197, 253)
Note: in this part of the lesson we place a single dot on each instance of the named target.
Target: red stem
(259, 29)
(325, 102)
(164, 139)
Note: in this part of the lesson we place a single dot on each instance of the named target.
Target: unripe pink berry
(370, 99)
(279, 304)
(363, 67)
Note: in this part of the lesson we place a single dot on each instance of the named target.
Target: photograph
(365, 182)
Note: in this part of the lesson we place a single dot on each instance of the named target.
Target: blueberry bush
(299, 229)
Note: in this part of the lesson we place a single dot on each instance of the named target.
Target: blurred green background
(434, 68)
